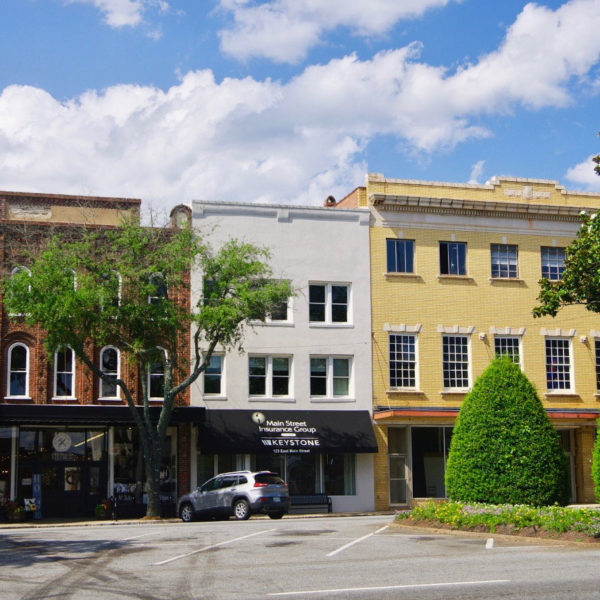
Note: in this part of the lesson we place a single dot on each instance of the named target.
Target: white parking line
(360, 539)
(391, 587)
(164, 562)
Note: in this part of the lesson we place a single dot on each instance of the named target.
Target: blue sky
(289, 101)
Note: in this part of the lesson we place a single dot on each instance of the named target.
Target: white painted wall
(308, 244)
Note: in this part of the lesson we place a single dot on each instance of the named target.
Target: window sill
(560, 393)
(506, 280)
(400, 275)
(455, 277)
(335, 399)
(318, 325)
(19, 398)
(214, 398)
(64, 400)
(272, 323)
(398, 391)
(112, 400)
(456, 392)
(271, 399)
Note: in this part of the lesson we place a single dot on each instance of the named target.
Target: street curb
(105, 523)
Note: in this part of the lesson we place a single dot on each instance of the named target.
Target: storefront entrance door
(73, 467)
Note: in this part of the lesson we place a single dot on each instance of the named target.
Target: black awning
(286, 431)
(52, 414)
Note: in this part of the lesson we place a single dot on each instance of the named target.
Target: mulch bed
(529, 532)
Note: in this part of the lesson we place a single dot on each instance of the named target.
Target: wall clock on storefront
(61, 441)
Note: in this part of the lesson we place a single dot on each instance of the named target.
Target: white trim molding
(558, 332)
(402, 328)
(516, 331)
(456, 329)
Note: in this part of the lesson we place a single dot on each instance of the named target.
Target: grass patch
(491, 517)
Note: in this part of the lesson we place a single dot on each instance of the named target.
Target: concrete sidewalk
(82, 522)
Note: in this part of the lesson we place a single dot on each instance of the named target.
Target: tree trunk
(153, 465)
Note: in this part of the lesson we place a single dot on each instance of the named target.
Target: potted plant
(102, 509)
(15, 511)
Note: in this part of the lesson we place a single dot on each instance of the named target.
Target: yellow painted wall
(430, 300)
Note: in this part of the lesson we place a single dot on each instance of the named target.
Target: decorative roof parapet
(474, 207)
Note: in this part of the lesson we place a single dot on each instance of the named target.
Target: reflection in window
(109, 364)
(18, 366)
(64, 373)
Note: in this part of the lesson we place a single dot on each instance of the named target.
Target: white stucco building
(299, 398)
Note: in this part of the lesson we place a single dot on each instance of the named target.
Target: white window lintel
(402, 328)
(454, 329)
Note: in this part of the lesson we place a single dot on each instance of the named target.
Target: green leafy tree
(504, 448)
(122, 287)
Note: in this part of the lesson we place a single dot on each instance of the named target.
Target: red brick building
(68, 439)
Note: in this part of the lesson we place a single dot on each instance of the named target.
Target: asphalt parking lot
(319, 557)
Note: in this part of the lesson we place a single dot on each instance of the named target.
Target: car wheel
(241, 510)
(275, 515)
(186, 512)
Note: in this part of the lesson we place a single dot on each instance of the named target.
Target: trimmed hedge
(504, 449)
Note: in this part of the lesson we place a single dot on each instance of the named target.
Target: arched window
(109, 364)
(156, 379)
(18, 371)
(19, 269)
(112, 281)
(64, 373)
(158, 284)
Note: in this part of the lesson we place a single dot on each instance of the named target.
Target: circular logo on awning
(258, 418)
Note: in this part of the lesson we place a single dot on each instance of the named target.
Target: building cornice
(476, 208)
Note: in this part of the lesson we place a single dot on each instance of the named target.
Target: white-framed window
(597, 356)
(508, 345)
(18, 371)
(330, 376)
(400, 255)
(156, 379)
(559, 374)
(64, 373)
(403, 360)
(269, 376)
(18, 269)
(113, 282)
(282, 313)
(159, 288)
(213, 376)
(455, 362)
(329, 303)
(110, 366)
(504, 258)
(453, 258)
(553, 262)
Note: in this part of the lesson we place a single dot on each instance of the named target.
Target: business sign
(286, 436)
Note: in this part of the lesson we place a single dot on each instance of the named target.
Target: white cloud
(584, 175)
(121, 13)
(284, 30)
(298, 141)
(476, 171)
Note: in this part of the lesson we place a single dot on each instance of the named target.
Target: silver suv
(240, 494)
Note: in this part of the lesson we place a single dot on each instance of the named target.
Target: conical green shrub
(504, 448)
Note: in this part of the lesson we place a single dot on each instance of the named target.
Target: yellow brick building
(454, 278)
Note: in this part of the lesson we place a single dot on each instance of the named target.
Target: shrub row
(558, 519)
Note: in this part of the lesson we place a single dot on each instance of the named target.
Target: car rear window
(268, 478)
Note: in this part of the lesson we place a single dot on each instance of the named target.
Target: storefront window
(302, 474)
(430, 446)
(5, 452)
(129, 471)
(339, 474)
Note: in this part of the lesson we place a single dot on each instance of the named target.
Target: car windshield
(268, 478)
